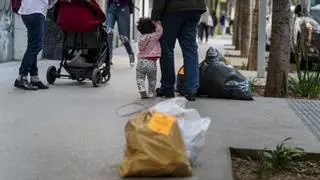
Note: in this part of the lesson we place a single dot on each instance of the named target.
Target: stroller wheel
(51, 74)
(96, 78)
(81, 79)
(106, 76)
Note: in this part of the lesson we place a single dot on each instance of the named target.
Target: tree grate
(309, 112)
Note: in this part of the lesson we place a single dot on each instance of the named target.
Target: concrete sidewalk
(73, 131)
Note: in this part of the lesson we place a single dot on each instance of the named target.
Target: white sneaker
(132, 60)
(152, 95)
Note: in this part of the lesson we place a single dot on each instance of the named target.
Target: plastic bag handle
(144, 108)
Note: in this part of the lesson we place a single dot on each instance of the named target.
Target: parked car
(306, 32)
(269, 28)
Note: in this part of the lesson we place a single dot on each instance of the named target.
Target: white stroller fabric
(193, 127)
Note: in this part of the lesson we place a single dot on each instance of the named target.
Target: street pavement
(74, 132)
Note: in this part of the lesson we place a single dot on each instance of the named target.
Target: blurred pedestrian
(210, 25)
(119, 11)
(228, 26)
(223, 22)
(204, 26)
(215, 22)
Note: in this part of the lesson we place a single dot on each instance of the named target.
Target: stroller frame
(99, 73)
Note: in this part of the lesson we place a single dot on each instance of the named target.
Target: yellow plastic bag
(154, 147)
(227, 62)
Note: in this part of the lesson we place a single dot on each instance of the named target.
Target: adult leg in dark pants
(213, 31)
(121, 15)
(206, 31)
(181, 26)
(124, 31)
(35, 29)
(201, 30)
(187, 41)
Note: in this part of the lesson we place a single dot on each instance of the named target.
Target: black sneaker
(190, 97)
(163, 94)
(144, 95)
(24, 84)
(40, 85)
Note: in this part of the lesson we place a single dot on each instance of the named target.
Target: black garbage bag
(212, 54)
(219, 80)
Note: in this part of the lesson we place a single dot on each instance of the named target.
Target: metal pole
(262, 39)
(143, 8)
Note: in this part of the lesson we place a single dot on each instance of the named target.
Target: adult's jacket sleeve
(157, 9)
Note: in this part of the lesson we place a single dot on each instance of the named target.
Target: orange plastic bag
(154, 147)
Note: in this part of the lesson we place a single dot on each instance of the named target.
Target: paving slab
(73, 131)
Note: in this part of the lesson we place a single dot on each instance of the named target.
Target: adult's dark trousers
(35, 31)
(181, 26)
(203, 31)
(121, 15)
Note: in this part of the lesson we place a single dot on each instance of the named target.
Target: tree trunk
(245, 27)
(253, 54)
(239, 24)
(235, 24)
(277, 78)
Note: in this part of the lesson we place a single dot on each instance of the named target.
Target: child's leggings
(146, 68)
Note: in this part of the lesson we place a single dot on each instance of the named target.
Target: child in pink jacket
(149, 53)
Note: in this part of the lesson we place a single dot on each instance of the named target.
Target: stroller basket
(78, 73)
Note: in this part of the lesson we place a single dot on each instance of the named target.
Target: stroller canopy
(79, 15)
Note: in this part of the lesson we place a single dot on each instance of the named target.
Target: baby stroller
(85, 50)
